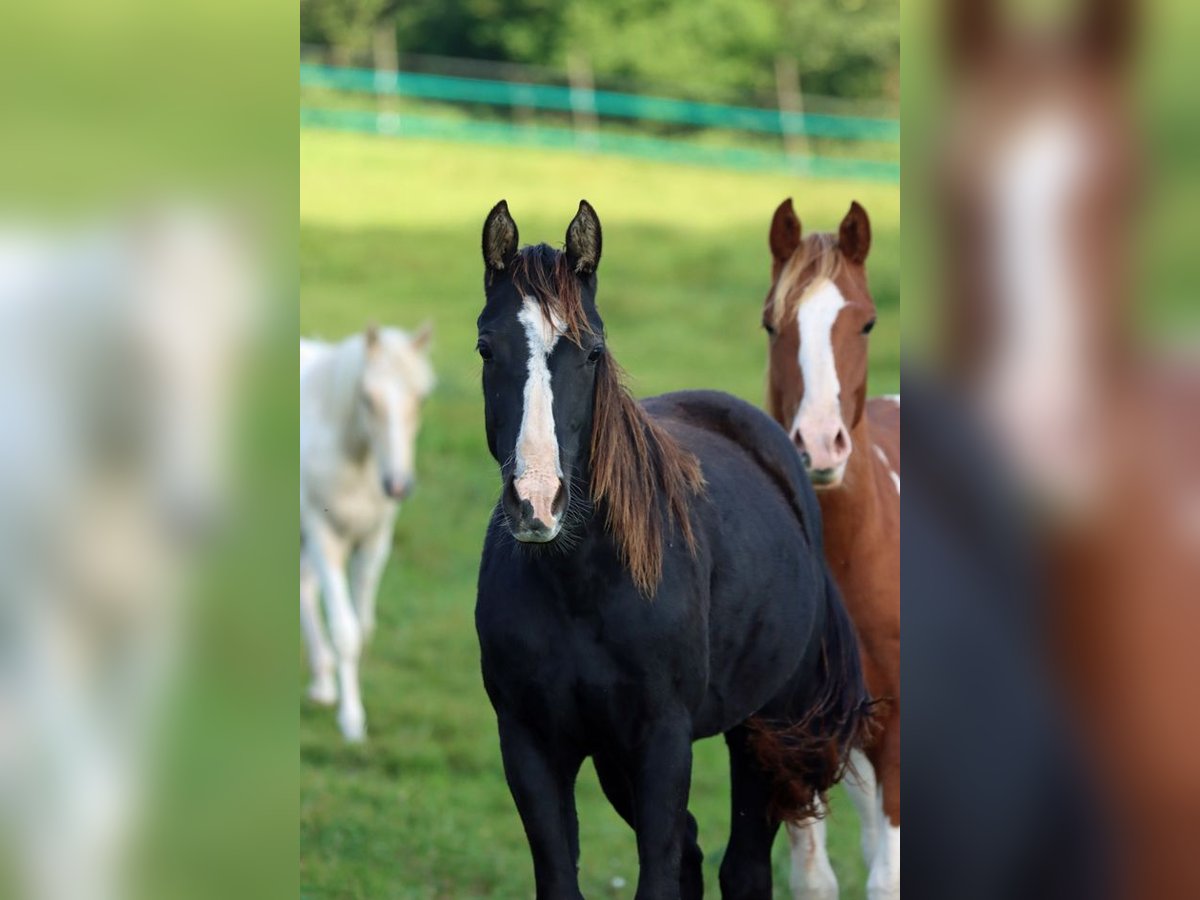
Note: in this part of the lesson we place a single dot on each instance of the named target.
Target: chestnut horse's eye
(484, 349)
(867, 328)
(769, 328)
(596, 353)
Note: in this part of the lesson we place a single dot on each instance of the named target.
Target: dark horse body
(583, 655)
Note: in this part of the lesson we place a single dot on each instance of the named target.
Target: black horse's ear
(854, 235)
(785, 232)
(499, 237)
(583, 240)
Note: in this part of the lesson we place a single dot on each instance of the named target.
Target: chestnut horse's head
(1038, 185)
(818, 314)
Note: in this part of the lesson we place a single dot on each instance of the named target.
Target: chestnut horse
(818, 316)
(1039, 203)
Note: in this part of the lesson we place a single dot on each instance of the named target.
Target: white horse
(359, 407)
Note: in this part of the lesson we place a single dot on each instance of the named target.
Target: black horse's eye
(484, 349)
(867, 328)
(596, 353)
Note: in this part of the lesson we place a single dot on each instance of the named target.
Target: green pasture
(390, 233)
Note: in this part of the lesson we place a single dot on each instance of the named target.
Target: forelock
(543, 273)
(815, 261)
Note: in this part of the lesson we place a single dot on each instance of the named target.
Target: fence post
(387, 64)
(791, 107)
(583, 100)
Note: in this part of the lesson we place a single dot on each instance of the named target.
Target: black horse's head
(541, 341)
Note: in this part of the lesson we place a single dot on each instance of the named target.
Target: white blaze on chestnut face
(819, 417)
(1036, 387)
(538, 473)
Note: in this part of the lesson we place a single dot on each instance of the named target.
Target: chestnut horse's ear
(499, 238)
(584, 240)
(1108, 32)
(971, 31)
(854, 235)
(785, 232)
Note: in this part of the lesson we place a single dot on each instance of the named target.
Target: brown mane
(816, 260)
(639, 472)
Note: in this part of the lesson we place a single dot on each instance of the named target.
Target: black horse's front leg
(542, 781)
(664, 778)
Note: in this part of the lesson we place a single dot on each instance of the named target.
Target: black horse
(652, 575)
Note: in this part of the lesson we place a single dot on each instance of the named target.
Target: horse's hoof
(354, 729)
(323, 693)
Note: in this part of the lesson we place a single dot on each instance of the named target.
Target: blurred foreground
(120, 343)
(143, 411)
(1052, 554)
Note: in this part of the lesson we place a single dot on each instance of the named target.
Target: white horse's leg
(812, 875)
(329, 555)
(323, 688)
(366, 569)
(860, 785)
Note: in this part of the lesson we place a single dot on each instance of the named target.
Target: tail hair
(808, 756)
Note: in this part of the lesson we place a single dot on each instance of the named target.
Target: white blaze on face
(396, 379)
(1036, 385)
(402, 408)
(538, 472)
(819, 418)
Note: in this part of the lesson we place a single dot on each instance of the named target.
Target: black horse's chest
(587, 671)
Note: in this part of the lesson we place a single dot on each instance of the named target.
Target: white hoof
(323, 691)
(353, 726)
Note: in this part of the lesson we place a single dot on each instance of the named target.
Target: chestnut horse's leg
(618, 788)
(860, 785)
(812, 874)
(542, 781)
(883, 883)
(746, 868)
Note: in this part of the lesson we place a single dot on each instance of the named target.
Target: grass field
(390, 232)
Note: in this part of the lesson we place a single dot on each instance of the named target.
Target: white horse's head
(195, 296)
(396, 377)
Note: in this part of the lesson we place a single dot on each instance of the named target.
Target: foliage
(712, 50)
(344, 24)
(726, 49)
